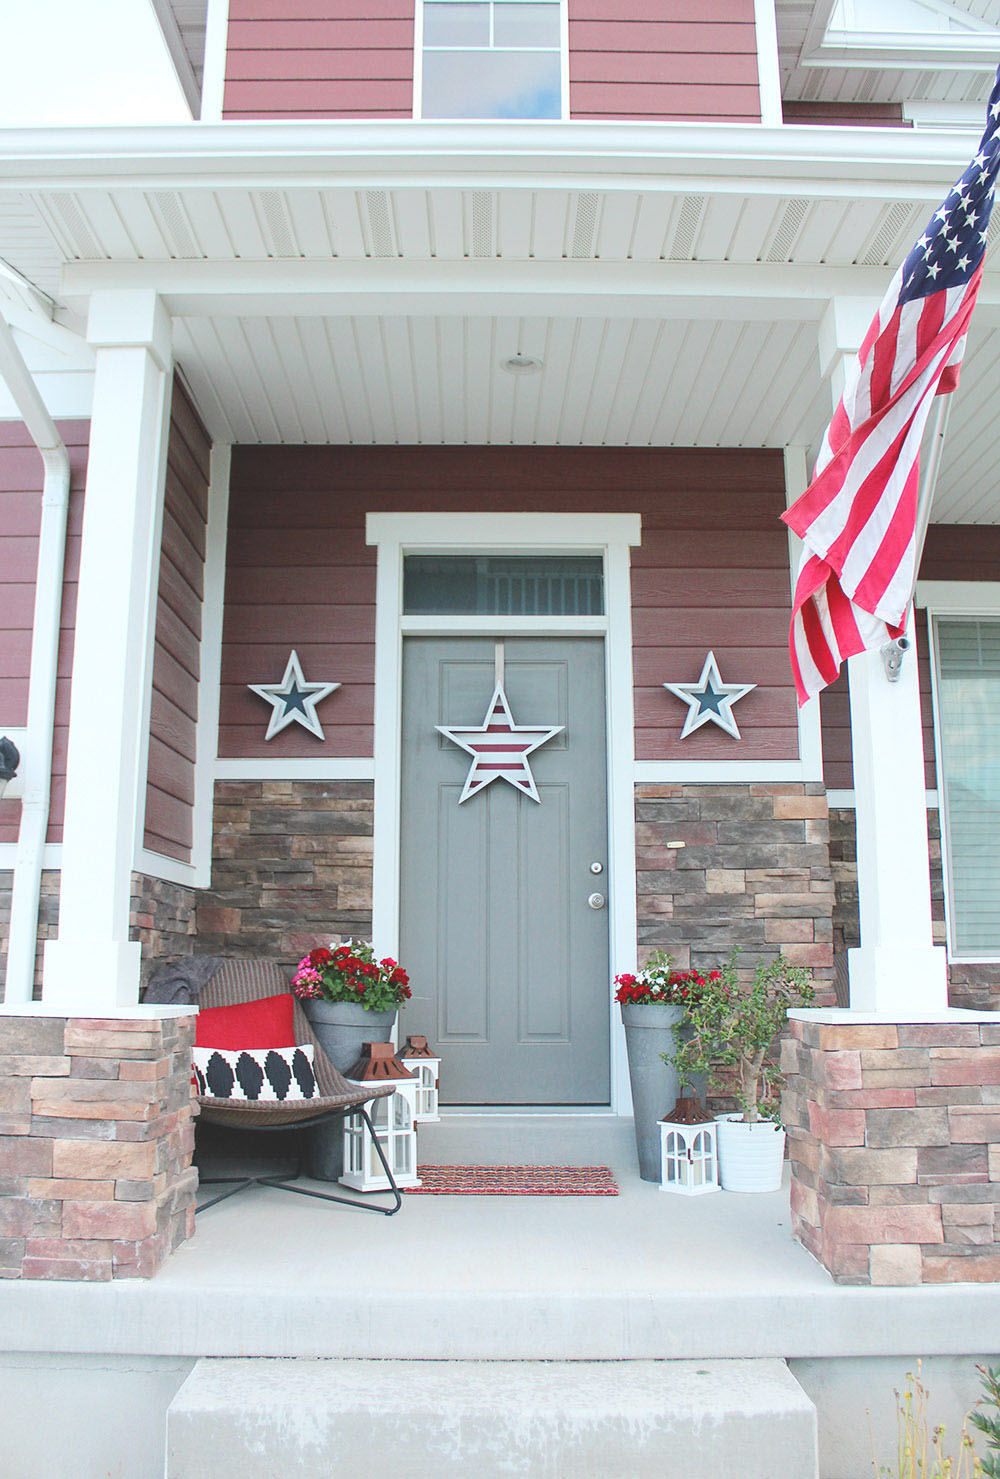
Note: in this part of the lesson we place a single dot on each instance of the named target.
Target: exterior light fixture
(392, 1118)
(10, 759)
(689, 1150)
(421, 1062)
(521, 364)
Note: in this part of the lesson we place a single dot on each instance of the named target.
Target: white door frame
(608, 535)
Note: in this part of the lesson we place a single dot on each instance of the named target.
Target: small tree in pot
(732, 1031)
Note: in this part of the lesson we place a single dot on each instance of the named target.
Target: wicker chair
(248, 980)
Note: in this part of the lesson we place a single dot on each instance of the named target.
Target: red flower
(320, 956)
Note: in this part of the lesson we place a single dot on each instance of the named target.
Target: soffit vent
(585, 225)
(172, 220)
(482, 224)
(788, 227)
(81, 239)
(883, 248)
(380, 223)
(278, 224)
(688, 224)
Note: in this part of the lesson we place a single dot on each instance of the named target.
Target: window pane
(969, 719)
(477, 585)
(526, 25)
(456, 25)
(492, 84)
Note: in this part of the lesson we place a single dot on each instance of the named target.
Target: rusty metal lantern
(426, 1068)
(392, 1118)
(689, 1150)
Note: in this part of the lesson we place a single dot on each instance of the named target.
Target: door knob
(596, 901)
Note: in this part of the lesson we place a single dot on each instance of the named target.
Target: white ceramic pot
(751, 1157)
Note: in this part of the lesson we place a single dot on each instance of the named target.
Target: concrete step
(321, 1419)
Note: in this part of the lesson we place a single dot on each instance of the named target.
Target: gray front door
(508, 961)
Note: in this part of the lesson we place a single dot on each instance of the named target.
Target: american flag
(857, 519)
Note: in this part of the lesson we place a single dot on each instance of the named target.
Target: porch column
(93, 967)
(897, 971)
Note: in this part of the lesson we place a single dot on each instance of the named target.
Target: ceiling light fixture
(521, 364)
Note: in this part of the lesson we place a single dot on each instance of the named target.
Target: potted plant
(733, 1027)
(654, 1007)
(349, 997)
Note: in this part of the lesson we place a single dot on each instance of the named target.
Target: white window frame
(978, 601)
(418, 68)
(609, 535)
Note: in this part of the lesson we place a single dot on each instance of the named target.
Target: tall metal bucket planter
(341, 1028)
(650, 1031)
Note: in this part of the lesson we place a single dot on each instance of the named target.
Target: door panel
(508, 963)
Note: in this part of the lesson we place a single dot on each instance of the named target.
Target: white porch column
(897, 970)
(93, 966)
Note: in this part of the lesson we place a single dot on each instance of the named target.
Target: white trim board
(51, 856)
(845, 799)
(959, 597)
(289, 768)
(168, 870)
(611, 535)
(720, 772)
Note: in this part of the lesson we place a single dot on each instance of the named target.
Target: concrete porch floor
(642, 1275)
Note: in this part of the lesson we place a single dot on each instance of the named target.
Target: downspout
(37, 762)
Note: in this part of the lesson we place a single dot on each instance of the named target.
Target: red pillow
(265, 1023)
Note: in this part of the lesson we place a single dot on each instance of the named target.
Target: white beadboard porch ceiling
(323, 313)
(856, 84)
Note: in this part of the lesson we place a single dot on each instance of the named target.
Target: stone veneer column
(894, 1143)
(96, 1138)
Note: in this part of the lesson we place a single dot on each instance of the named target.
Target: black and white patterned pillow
(258, 1075)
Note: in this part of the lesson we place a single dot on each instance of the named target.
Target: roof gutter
(828, 159)
(37, 760)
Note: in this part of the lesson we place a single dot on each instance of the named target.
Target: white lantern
(392, 1118)
(689, 1158)
(422, 1063)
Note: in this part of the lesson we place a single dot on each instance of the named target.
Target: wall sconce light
(10, 759)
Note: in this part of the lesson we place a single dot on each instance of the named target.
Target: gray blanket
(180, 982)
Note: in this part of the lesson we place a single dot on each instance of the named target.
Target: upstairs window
(492, 59)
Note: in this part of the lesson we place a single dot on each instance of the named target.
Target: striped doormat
(515, 1181)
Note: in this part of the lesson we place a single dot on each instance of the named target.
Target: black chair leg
(283, 1183)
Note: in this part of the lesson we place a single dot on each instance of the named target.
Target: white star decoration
(499, 748)
(293, 700)
(710, 698)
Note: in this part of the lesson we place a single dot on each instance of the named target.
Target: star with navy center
(710, 699)
(293, 700)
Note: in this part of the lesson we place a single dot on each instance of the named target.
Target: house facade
(465, 350)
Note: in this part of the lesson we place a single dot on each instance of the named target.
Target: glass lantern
(392, 1118)
(426, 1068)
(689, 1158)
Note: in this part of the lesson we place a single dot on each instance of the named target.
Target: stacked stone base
(894, 1143)
(96, 1139)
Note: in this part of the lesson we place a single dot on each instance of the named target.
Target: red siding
(319, 58)
(21, 478)
(176, 656)
(952, 552)
(663, 61)
(858, 115)
(712, 572)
